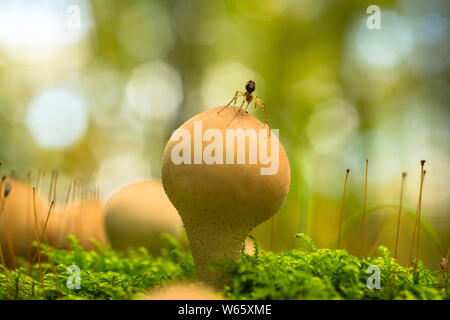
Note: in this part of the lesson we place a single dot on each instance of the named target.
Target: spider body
(248, 97)
(250, 86)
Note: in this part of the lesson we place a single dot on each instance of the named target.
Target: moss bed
(303, 273)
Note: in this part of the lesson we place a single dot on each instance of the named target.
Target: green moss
(326, 274)
(297, 274)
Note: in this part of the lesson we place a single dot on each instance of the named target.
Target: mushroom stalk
(221, 243)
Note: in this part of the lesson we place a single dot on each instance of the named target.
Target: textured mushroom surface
(182, 291)
(138, 214)
(84, 221)
(221, 203)
(17, 222)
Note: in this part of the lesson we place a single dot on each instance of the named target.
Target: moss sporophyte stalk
(304, 273)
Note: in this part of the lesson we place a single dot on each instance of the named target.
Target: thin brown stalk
(38, 244)
(5, 273)
(411, 247)
(63, 223)
(50, 191)
(74, 192)
(27, 218)
(419, 218)
(9, 243)
(54, 185)
(67, 197)
(342, 209)
(44, 230)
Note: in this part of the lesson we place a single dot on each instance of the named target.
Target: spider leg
(236, 96)
(238, 110)
(260, 103)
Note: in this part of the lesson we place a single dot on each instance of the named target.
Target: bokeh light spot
(154, 91)
(34, 30)
(57, 118)
(119, 170)
(387, 46)
(332, 125)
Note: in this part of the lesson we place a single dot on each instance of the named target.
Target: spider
(248, 97)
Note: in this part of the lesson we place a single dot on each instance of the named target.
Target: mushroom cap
(84, 221)
(17, 218)
(238, 190)
(221, 203)
(138, 214)
(182, 291)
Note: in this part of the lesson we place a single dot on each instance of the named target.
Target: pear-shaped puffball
(182, 291)
(219, 197)
(138, 214)
(17, 219)
(84, 221)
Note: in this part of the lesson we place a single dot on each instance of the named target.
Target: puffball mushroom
(17, 220)
(84, 221)
(182, 291)
(220, 203)
(138, 214)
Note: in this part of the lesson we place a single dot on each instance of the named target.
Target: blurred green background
(94, 89)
